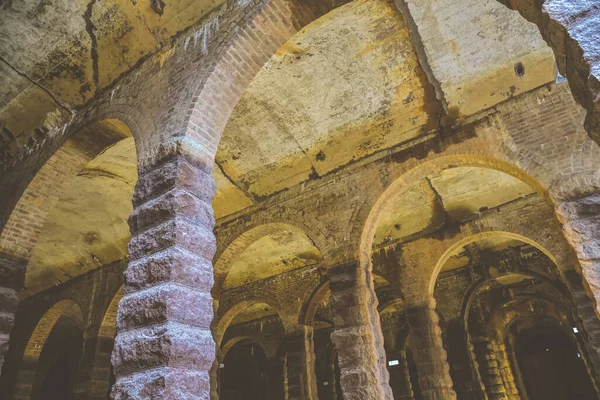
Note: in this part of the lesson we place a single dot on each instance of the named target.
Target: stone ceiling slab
(346, 86)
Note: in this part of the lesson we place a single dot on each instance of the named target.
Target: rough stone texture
(357, 336)
(568, 28)
(167, 339)
(430, 356)
(490, 368)
(177, 104)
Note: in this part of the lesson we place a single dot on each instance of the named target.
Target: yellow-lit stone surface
(88, 227)
(272, 255)
(449, 196)
(346, 86)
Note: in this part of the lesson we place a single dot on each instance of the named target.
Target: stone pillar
(94, 369)
(464, 367)
(402, 387)
(489, 368)
(357, 334)
(300, 376)
(12, 276)
(506, 371)
(275, 380)
(581, 223)
(214, 377)
(429, 353)
(164, 348)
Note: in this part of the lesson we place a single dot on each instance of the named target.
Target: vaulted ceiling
(347, 86)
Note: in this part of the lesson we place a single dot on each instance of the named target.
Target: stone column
(275, 379)
(403, 387)
(428, 352)
(581, 222)
(12, 276)
(164, 348)
(94, 368)
(506, 371)
(489, 368)
(357, 334)
(300, 376)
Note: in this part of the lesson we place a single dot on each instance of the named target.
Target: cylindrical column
(275, 379)
(401, 383)
(489, 368)
(98, 386)
(164, 347)
(357, 334)
(506, 371)
(429, 353)
(300, 376)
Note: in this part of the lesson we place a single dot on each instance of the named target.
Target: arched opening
(42, 215)
(58, 363)
(87, 228)
(80, 201)
(248, 360)
(102, 375)
(318, 315)
(50, 360)
(551, 364)
(243, 373)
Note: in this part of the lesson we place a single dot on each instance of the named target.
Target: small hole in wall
(519, 69)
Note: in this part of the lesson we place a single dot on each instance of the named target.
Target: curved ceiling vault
(88, 227)
(350, 84)
(450, 196)
(273, 254)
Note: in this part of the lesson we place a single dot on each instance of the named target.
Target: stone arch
(395, 302)
(214, 98)
(230, 343)
(28, 369)
(236, 245)
(474, 291)
(500, 319)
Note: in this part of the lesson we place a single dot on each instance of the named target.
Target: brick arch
(101, 365)
(26, 220)
(500, 320)
(474, 291)
(28, 368)
(245, 235)
(214, 89)
(397, 301)
(108, 326)
(230, 343)
(569, 30)
(311, 303)
(372, 213)
(128, 111)
(227, 316)
(555, 256)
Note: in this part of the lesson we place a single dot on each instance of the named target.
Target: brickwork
(565, 29)
(178, 103)
(23, 228)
